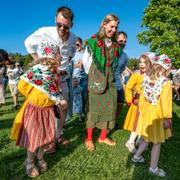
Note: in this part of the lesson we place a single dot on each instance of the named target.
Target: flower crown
(48, 48)
(164, 61)
(152, 56)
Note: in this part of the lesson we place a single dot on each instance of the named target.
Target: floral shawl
(152, 91)
(101, 56)
(40, 77)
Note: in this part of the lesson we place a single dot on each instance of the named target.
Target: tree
(133, 63)
(162, 28)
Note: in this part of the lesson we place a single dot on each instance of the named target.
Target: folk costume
(156, 106)
(133, 92)
(100, 59)
(34, 125)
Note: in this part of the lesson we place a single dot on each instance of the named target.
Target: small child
(155, 104)
(13, 79)
(78, 71)
(77, 98)
(132, 94)
(34, 126)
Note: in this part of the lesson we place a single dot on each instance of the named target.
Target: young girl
(132, 94)
(13, 75)
(154, 123)
(34, 126)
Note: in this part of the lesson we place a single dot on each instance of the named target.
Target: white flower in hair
(48, 48)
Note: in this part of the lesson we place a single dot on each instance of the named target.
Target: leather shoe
(89, 145)
(108, 142)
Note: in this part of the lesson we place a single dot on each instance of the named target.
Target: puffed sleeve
(32, 41)
(24, 88)
(166, 100)
(87, 61)
(129, 88)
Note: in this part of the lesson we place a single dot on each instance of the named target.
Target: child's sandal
(137, 159)
(31, 169)
(51, 148)
(157, 171)
(43, 167)
(62, 140)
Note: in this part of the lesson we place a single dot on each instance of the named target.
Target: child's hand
(166, 123)
(136, 101)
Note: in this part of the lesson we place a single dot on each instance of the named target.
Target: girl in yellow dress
(154, 123)
(34, 125)
(132, 94)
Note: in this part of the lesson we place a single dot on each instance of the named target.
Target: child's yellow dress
(132, 87)
(150, 122)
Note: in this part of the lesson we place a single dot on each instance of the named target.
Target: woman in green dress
(99, 60)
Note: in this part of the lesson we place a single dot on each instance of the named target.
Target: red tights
(89, 132)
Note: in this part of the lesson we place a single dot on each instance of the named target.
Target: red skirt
(38, 127)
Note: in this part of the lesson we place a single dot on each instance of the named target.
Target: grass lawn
(74, 162)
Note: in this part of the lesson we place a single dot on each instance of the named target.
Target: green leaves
(162, 22)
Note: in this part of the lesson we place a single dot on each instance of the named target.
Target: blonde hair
(157, 70)
(147, 62)
(106, 20)
(49, 62)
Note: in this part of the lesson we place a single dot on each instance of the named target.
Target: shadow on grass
(169, 157)
(12, 165)
(6, 123)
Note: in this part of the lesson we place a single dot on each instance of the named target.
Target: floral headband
(164, 61)
(48, 48)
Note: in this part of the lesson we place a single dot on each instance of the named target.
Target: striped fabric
(38, 128)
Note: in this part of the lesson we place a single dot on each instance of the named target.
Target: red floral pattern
(99, 43)
(38, 82)
(30, 75)
(167, 61)
(52, 88)
(116, 54)
(47, 50)
(94, 36)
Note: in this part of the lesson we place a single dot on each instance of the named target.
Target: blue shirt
(77, 72)
(121, 66)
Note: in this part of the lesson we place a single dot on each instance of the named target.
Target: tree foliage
(162, 28)
(23, 60)
(133, 63)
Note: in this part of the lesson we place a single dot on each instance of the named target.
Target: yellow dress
(133, 86)
(35, 97)
(150, 122)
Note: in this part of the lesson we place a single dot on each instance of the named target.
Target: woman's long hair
(107, 19)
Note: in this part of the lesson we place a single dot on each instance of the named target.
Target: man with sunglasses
(122, 38)
(67, 44)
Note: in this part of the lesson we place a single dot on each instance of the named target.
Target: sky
(20, 18)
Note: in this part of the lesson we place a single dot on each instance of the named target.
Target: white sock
(132, 137)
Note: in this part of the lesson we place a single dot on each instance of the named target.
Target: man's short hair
(122, 32)
(79, 39)
(66, 12)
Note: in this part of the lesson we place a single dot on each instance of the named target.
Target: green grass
(74, 162)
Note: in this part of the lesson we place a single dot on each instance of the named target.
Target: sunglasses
(121, 41)
(78, 45)
(59, 25)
